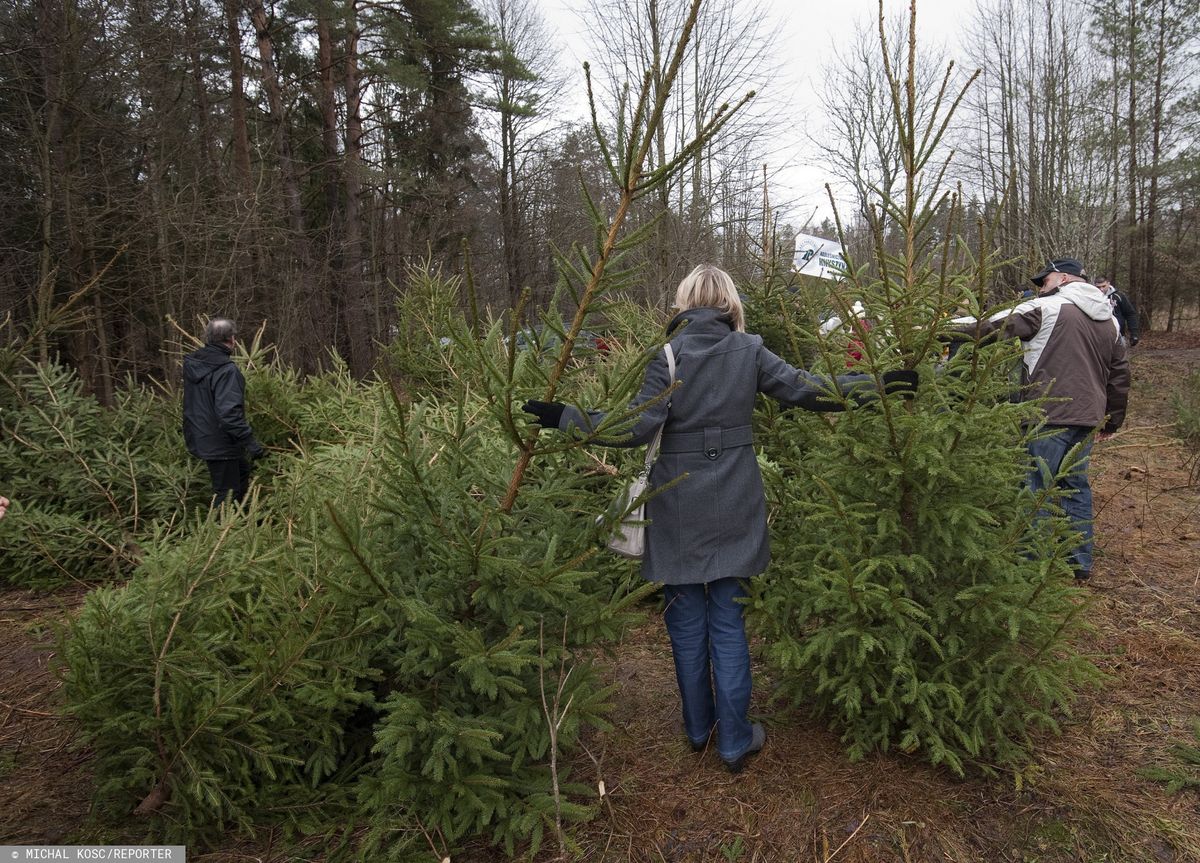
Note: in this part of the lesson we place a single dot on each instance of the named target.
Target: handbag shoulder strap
(652, 450)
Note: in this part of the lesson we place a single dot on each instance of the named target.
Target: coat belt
(712, 441)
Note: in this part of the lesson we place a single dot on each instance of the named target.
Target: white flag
(819, 257)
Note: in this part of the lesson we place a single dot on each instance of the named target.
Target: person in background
(1123, 310)
(1075, 359)
(855, 329)
(214, 413)
(708, 533)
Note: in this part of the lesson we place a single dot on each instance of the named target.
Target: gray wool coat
(713, 523)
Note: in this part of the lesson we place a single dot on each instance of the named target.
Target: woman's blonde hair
(708, 286)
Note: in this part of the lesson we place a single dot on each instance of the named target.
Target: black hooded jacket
(1125, 314)
(214, 411)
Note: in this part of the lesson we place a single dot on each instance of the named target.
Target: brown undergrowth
(801, 799)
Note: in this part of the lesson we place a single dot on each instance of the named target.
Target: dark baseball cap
(1058, 265)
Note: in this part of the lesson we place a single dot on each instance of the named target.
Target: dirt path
(801, 800)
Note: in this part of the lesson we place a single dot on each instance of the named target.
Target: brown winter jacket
(1073, 354)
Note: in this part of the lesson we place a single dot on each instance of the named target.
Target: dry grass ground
(45, 782)
(801, 799)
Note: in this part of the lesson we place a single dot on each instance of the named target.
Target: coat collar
(705, 320)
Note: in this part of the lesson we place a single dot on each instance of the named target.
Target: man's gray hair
(218, 331)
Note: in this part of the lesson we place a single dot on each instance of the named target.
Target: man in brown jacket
(1074, 357)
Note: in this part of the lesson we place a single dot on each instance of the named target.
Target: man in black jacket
(1123, 310)
(214, 412)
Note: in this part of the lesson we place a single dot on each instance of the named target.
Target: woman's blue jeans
(712, 661)
(1048, 454)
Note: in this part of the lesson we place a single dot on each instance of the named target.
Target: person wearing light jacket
(214, 413)
(707, 534)
(1075, 359)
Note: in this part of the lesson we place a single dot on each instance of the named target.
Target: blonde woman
(708, 533)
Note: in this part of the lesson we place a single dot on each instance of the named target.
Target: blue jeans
(712, 661)
(1048, 454)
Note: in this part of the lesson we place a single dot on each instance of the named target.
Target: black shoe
(1083, 574)
(702, 745)
(758, 737)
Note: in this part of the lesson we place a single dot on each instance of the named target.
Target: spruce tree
(915, 602)
(491, 571)
(223, 688)
(88, 483)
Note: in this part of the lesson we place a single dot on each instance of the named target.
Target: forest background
(163, 160)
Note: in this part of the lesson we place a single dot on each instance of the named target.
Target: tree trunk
(50, 163)
(510, 237)
(328, 105)
(283, 140)
(326, 308)
(662, 243)
(360, 316)
(1149, 268)
(294, 309)
(105, 376)
(1034, 191)
(1114, 246)
(199, 91)
(237, 99)
(1134, 283)
(1175, 282)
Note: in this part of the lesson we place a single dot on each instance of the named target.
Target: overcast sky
(807, 32)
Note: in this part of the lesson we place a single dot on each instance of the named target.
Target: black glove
(548, 413)
(257, 451)
(903, 381)
(1133, 341)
